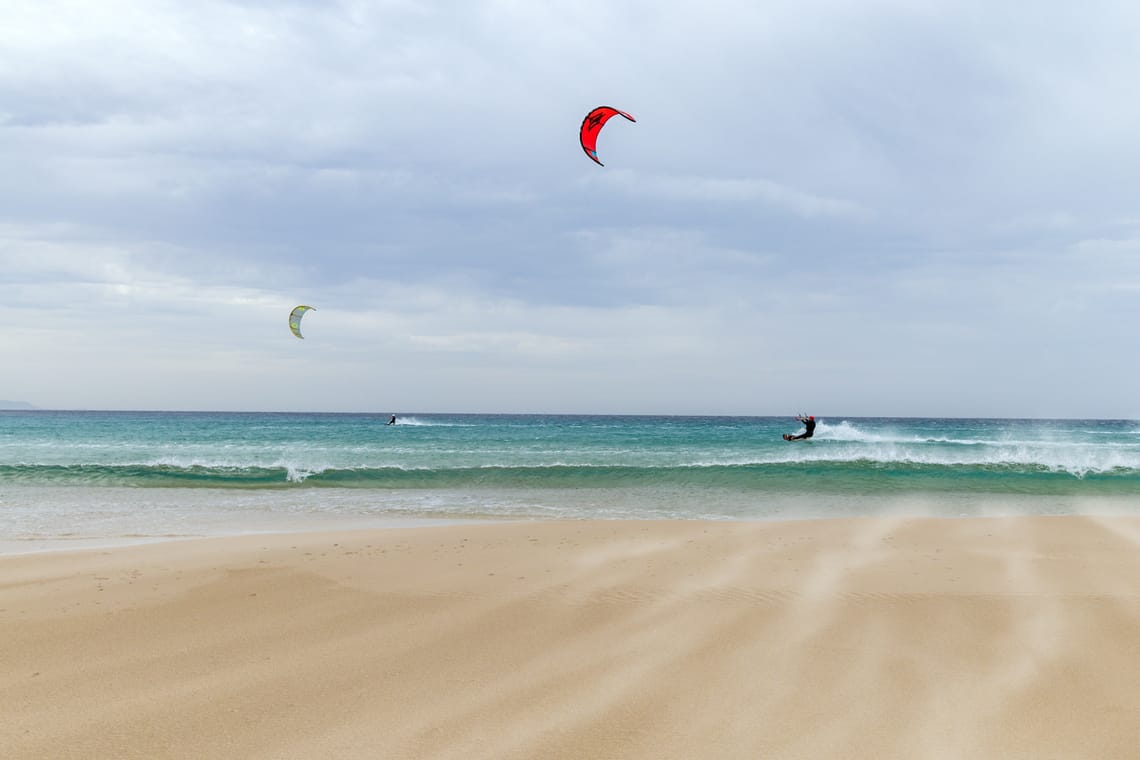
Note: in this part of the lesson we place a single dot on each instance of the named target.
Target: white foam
(417, 422)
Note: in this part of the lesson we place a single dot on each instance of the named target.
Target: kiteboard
(790, 437)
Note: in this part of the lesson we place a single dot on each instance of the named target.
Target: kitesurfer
(809, 431)
(393, 420)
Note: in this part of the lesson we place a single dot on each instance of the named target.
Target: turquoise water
(92, 475)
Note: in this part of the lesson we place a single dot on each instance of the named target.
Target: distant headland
(15, 405)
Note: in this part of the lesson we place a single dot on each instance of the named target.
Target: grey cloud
(875, 203)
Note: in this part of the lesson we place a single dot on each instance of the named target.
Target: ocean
(75, 478)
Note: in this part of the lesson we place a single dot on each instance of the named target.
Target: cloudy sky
(876, 208)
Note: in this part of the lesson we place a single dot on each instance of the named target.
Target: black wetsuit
(810, 425)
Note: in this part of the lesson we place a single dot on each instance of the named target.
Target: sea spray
(152, 472)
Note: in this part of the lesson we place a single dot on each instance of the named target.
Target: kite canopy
(295, 319)
(593, 124)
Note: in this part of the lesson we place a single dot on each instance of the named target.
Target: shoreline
(231, 521)
(21, 547)
(890, 637)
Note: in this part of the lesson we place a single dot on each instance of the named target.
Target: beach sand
(861, 638)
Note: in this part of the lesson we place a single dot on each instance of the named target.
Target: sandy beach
(861, 638)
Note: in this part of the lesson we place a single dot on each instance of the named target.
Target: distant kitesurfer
(809, 425)
(393, 420)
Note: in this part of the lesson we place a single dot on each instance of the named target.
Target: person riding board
(809, 425)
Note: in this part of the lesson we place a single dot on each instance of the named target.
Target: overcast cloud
(875, 208)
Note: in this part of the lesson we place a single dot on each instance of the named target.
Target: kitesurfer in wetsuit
(809, 423)
(393, 420)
